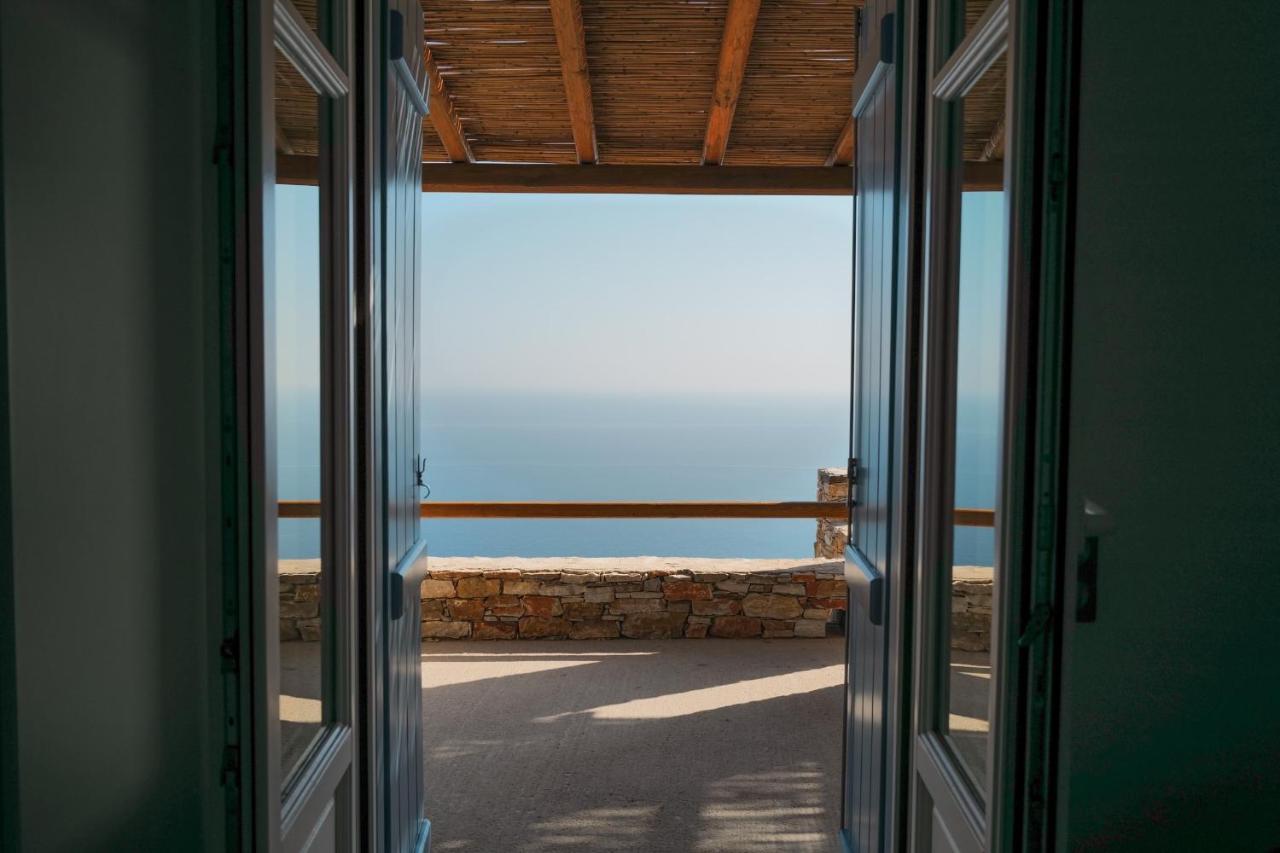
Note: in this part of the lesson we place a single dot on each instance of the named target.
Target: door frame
(1039, 186)
(368, 95)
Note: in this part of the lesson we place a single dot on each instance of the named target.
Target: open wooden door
(403, 558)
(872, 559)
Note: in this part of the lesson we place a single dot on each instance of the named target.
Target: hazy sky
(635, 293)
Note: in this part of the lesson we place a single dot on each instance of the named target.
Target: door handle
(866, 582)
(1097, 523)
(406, 579)
(865, 85)
(400, 62)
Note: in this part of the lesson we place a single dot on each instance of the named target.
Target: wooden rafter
(842, 152)
(444, 117)
(571, 38)
(735, 45)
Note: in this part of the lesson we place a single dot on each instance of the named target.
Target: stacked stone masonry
(833, 485)
(630, 598)
(971, 588)
(299, 600)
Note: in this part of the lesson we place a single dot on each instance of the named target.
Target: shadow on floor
(726, 746)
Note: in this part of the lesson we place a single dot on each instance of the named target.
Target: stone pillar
(833, 485)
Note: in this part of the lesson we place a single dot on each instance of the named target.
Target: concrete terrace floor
(666, 746)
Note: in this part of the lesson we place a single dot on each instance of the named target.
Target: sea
(511, 446)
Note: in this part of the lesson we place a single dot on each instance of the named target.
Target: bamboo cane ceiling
(652, 68)
(651, 77)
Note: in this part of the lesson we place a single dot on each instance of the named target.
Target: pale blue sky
(632, 293)
(635, 294)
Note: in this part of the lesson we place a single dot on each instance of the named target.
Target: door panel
(405, 561)
(941, 841)
(299, 364)
(965, 260)
(868, 558)
(325, 837)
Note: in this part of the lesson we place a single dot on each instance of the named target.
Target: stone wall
(489, 598)
(971, 588)
(634, 598)
(833, 485)
(299, 600)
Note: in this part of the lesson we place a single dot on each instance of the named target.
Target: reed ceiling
(652, 69)
(752, 83)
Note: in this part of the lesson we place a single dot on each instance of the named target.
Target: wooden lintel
(735, 45)
(979, 177)
(444, 117)
(636, 509)
(842, 152)
(659, 180)
(656, 180)
(571, 38)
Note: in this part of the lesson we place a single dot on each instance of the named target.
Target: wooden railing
(634, 509)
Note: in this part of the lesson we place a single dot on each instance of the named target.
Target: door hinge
(851, 473)
(229, 651)
(231, 766)
(1037, 625)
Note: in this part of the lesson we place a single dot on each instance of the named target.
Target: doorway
(904, 667)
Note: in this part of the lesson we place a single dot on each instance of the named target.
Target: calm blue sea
(623, 447)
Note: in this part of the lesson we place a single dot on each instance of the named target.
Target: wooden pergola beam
(842, 152)
(655, 180)
(444, 117)
(735, 45)
(980, 177)
(571, 38)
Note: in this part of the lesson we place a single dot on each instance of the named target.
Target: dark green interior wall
(1170, 740)
(8, 676)
(106, 159)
